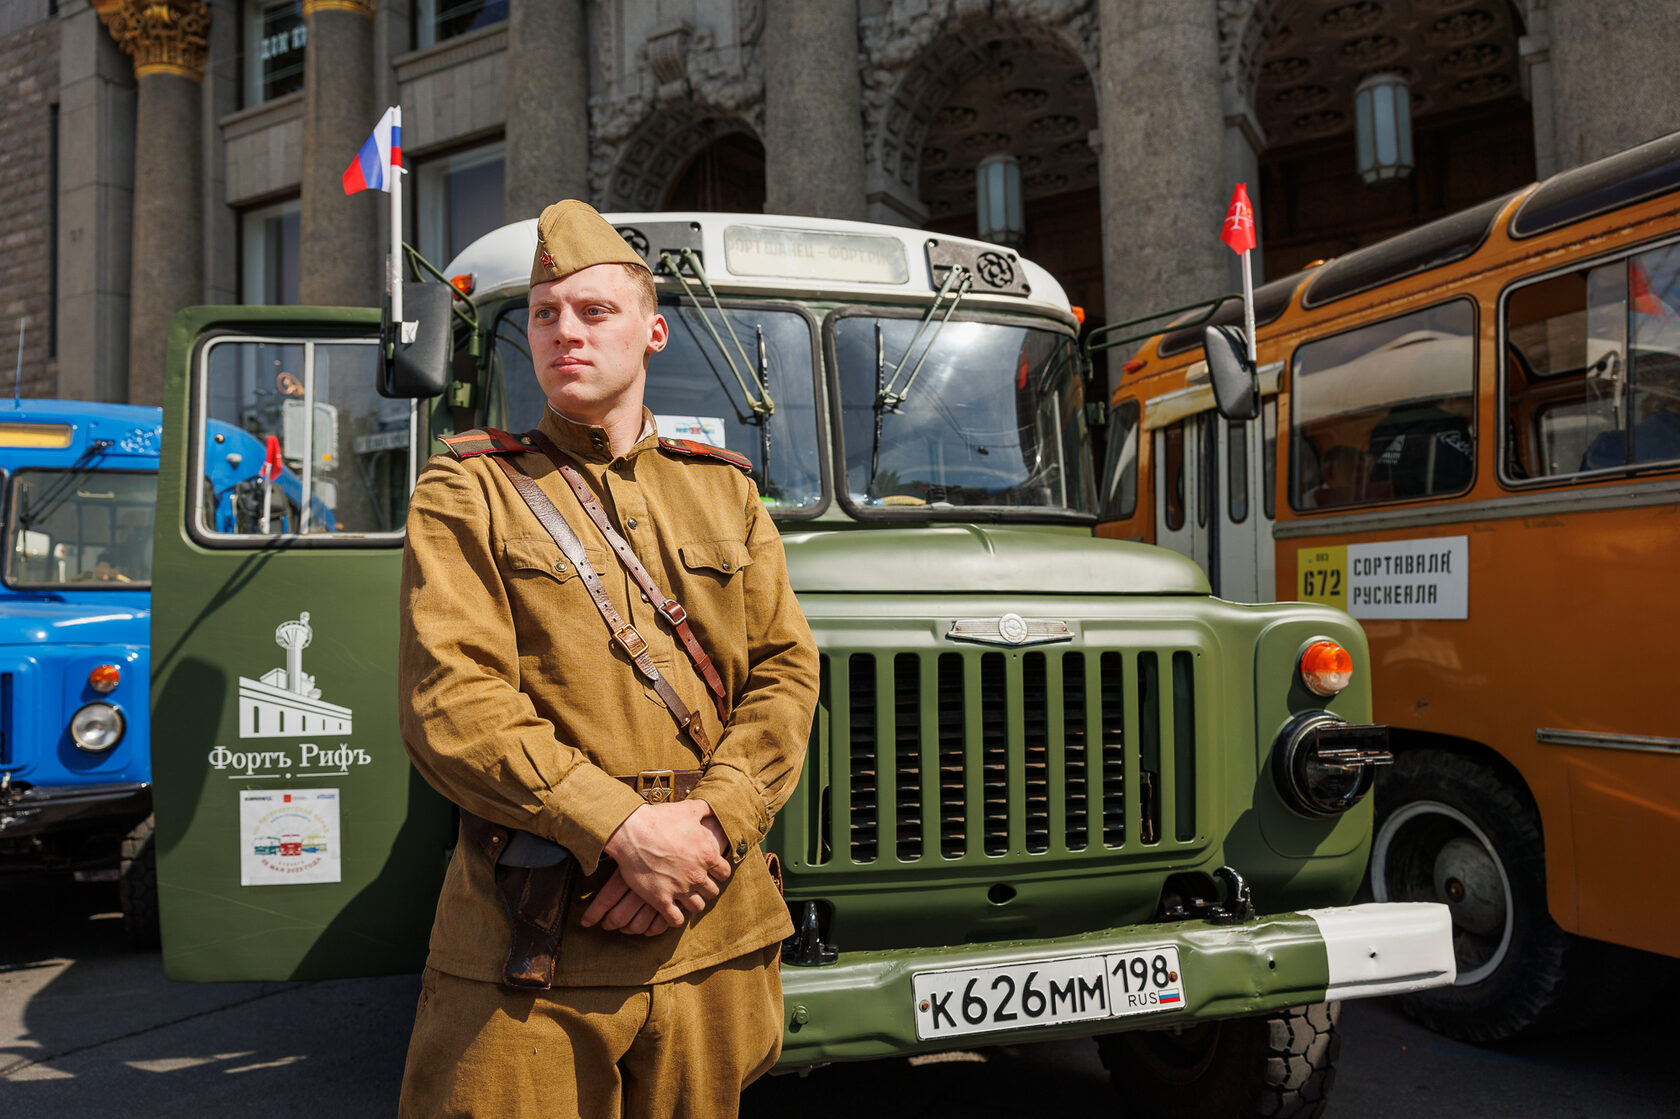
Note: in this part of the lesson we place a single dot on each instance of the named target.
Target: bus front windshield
(743, 379)
(87, 528)
(970, 414)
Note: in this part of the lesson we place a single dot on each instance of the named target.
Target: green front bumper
(862, 1007)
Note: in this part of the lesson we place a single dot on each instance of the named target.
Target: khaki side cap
(572, 236)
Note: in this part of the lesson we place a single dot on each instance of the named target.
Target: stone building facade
(159, 153)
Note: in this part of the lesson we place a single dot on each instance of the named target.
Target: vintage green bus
(1054, 787)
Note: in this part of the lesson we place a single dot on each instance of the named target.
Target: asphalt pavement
(88, 1027)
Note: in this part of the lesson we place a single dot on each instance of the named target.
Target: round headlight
(97, 727)
(1311, 785)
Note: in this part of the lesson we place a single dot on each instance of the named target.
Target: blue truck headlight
(97, 727)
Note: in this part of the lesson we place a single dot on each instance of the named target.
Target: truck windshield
(716, 396)
(91, 529)
(969, 414)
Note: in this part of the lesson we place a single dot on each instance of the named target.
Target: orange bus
(1468, 437)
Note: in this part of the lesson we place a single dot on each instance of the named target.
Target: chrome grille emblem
(1010, 629)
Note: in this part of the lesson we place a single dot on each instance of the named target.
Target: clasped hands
(671, 858)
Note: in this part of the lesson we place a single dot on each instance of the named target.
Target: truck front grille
(979, 754)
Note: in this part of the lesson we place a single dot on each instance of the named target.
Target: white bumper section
(1386, 948)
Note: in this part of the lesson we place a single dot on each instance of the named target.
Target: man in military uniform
(519, 705)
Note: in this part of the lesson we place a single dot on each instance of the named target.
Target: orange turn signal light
(1326, 668)
(1132, 366)
(1078, 313)
(464, 283)
(105, 678)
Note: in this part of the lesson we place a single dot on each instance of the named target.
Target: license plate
(1046, 992)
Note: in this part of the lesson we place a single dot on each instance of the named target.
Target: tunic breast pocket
(537, 562)
(719, 559)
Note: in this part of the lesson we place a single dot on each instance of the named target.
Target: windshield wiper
(761, 404)
(60, 493)
(890, 394)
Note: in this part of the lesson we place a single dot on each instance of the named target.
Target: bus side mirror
(1236, 390)
(419, 369)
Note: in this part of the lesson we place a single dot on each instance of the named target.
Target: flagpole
(393, 278)
(1248, 304)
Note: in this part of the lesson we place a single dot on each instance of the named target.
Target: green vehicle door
(294, 840)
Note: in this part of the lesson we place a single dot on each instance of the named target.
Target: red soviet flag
(1238, 230)
(272, 464)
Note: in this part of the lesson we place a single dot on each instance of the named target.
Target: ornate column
(547, 99)
(340, 255)
(1613, 79)
(813, 115)
(166, 39)
(1159, 96)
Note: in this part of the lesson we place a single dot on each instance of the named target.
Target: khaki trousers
(683, 1048)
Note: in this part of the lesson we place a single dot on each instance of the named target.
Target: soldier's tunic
(518, 706)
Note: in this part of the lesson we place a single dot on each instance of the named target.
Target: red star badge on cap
(546, 259)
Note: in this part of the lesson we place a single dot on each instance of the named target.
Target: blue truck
(80, 493)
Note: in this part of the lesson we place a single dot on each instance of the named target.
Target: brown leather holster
(534, 877)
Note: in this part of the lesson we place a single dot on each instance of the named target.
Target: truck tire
(1453, 831)
(137, 886)
(1280, 1066)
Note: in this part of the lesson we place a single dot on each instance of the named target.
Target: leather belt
(662, 786)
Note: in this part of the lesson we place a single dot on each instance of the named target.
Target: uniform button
(631, 522)
(560, 566)
(742, 848)
(644, 598)
(726, 565)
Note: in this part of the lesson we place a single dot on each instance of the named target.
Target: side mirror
(1236, 390)
(419, 369)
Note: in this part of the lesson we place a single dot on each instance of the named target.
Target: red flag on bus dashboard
(1238, 230)
(272, 464)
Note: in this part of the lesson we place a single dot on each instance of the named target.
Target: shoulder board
(706, 450)
(483, 441)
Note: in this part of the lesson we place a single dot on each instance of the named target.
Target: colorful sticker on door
(288, 837)
(1392, 579)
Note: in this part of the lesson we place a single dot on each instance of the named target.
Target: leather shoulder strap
(690, 448)
(632, 642)
(483, 441)
(672, 610)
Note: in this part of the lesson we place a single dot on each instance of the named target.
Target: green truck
(1054, 787)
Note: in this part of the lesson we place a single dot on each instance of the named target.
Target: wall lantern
(1382, 110)
(997, 190)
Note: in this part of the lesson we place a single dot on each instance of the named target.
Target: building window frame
(259, 283)
(434, 193)
(260, 48)
(432, 16)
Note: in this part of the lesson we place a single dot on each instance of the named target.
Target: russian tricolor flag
(382, 151)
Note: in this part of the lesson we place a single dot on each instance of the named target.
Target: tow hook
(805, 948)
(1239, 903)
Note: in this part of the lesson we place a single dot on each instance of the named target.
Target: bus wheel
(137, 886)
(1450, 830)
(1280, 1065)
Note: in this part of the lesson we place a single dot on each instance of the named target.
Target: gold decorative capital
(354, 7)
(162, 36)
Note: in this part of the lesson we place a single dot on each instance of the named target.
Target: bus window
(1236, 452)
(1206, 435)
(1172, 465)
(1120, 472)
(1382, 412)
(283, 418)
(1592, 368)
(1268, 452)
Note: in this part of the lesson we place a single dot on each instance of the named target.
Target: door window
(282, 419)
